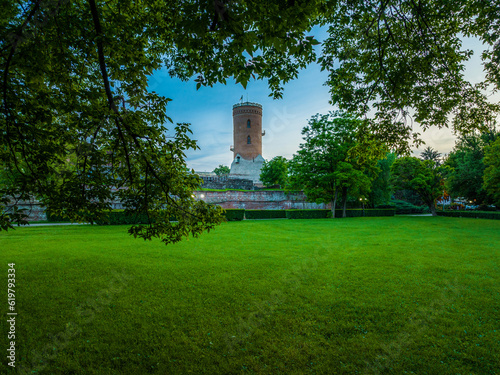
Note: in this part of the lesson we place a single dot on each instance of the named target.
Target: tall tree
(337, 156)
(421, 176)
(275, 172)
(492, 171)
(430, 154)
(381, 188)
(465, 167)
(74, 81)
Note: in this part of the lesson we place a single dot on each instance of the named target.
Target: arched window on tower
(248, 123)
(249, 141)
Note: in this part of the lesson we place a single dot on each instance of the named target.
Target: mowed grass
(415, 295)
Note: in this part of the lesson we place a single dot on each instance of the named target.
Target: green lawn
(394, 295)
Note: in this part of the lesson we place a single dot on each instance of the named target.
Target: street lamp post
(363, 203)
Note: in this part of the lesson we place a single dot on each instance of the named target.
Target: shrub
(265, 214)
(471, 214)
(403, 208)
(384, 206)
(234, 214)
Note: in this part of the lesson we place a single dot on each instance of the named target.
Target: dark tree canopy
(78, 125)
(381, 191)
(338, 156)
(403, 56)
(465, 167)
(492, 172)
(424, 177)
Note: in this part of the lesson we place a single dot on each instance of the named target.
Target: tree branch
(12, 51)
(112, 105)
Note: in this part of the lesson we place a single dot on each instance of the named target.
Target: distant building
(247, 141)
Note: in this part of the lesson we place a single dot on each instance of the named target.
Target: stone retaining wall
(259, 200)
(35, 211)
(215, 182)
(249, 200)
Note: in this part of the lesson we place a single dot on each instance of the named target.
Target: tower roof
(247, 104)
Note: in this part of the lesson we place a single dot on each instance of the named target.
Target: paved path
(417, 215)
(47, 224)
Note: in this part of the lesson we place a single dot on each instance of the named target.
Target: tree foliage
(492, 171)
(465, 167)
(74, 82)
(274, 172)
(422, 176)
(381, 190)
(395, 55)
(430, 154)
(338, 156)
(222, 170)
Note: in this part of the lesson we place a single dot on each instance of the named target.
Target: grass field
(392, 295)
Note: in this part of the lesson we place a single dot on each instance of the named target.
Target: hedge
(118, 217)
(351, 212)
(56, 218)
(234, 214)
(471, 214)
(307, 214)
(368, 212)
(265, 214)
(380, 212)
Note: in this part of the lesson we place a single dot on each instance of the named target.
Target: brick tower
(247, 136)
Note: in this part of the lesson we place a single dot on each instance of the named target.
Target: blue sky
(209, 111)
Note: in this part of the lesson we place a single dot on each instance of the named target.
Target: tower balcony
(247, 104)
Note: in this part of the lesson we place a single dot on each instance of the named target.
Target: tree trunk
(334, 204)
(433, 209)
(344, 198)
